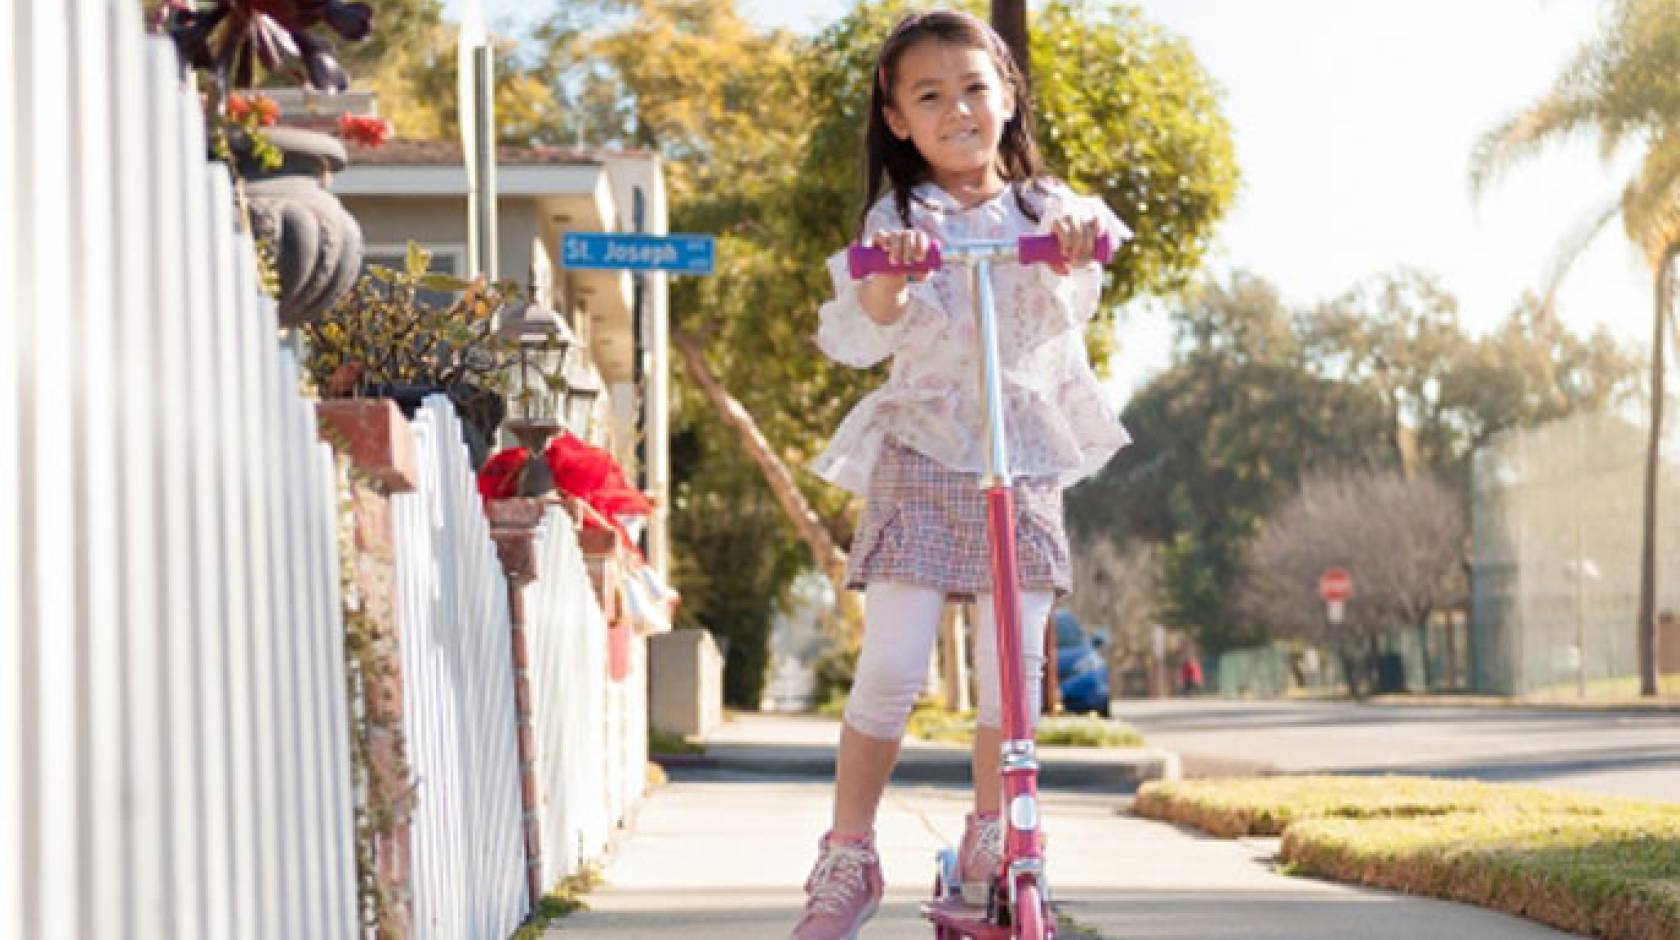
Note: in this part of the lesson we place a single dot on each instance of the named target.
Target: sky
(1353, 124)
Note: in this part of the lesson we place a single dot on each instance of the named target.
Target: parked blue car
(1081, 667)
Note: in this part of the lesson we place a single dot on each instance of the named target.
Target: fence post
(379, 444)
(513, 526)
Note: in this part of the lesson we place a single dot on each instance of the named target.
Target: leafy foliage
(1401, 537)
(239, 40)
(779, 219)
(1623, 85)
(761, 132)
(1127, 112)
(382, 335)
(1261, 396)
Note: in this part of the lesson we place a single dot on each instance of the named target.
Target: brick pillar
(513, 525)
(379, 444)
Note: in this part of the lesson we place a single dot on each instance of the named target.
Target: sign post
(1335, 586)
(642, 253)
(617, 251)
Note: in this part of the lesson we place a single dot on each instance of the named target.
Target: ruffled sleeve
(1081, 289)
(845, 331)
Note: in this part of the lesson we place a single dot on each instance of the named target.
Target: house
(417, 190)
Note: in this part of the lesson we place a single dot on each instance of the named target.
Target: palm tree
(1625, 85)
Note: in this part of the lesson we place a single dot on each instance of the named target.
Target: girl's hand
(1078, 239)
(884, 296)
(903, 246)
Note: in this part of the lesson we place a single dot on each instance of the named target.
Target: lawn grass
(937, 724)
(1601, 865)
(1622, 689)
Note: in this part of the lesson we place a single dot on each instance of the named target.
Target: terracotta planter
(376, 438)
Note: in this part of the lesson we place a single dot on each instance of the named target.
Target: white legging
(901, 624)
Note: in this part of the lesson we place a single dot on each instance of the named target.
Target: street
(1628, 753)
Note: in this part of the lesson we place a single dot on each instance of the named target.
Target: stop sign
(1335, 584)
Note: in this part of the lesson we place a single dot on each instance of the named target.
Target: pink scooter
(1018, 898)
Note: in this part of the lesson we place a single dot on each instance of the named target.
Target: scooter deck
(966, 920)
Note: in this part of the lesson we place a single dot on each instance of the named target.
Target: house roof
(406, 152)
(410, 152)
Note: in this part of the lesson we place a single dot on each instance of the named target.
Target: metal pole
(484, 113)
(991, 378)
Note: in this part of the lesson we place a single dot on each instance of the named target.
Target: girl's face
(952, 104)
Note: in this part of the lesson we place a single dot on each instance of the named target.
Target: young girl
(950, 132)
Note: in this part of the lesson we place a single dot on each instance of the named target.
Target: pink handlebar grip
(1045, 249)
(865, 261)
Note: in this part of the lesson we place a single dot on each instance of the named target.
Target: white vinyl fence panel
(174, 735)
(468, 852)
(590, 732)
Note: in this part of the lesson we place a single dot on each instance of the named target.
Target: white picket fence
(589, 730)
(457, 653)
(173, 729)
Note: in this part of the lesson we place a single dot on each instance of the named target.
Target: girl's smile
(950, 102)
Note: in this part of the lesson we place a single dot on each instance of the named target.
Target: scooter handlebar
(1046, 249)
(865, 261)
(1030, 249)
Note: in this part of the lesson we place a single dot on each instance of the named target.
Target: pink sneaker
(979, 855)
(844, 892)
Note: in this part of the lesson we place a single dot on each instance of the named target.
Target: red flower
(580, 470)
(499, 477)
(364, 131)
(266, 109)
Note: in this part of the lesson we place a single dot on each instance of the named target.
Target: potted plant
(384, 340)
(312, 246)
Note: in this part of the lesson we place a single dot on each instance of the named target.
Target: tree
(416, 85)
(1225, 435)
(1115, 586)
(1009, 19)
(779, 186)
(1446, 393)
(1624, 84)
(1402, 538)
(1261, 396)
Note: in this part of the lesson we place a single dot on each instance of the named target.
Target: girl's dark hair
(896, 165)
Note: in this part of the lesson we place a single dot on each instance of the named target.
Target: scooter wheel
(1031, 919)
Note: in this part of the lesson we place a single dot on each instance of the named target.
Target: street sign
(615, 251)
(1335, 585)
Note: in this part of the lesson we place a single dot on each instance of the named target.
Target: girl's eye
(977, 87)
(930, 96)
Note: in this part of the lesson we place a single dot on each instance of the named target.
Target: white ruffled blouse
(1058, 423)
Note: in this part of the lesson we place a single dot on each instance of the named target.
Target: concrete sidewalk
(803, 746)
(720, 854)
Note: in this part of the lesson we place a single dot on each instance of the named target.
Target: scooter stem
(1019, 762)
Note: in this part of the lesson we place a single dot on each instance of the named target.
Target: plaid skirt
(925, 523)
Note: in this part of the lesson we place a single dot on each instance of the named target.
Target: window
(446, 259)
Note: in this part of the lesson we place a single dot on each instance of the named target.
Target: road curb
(1107, 769)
